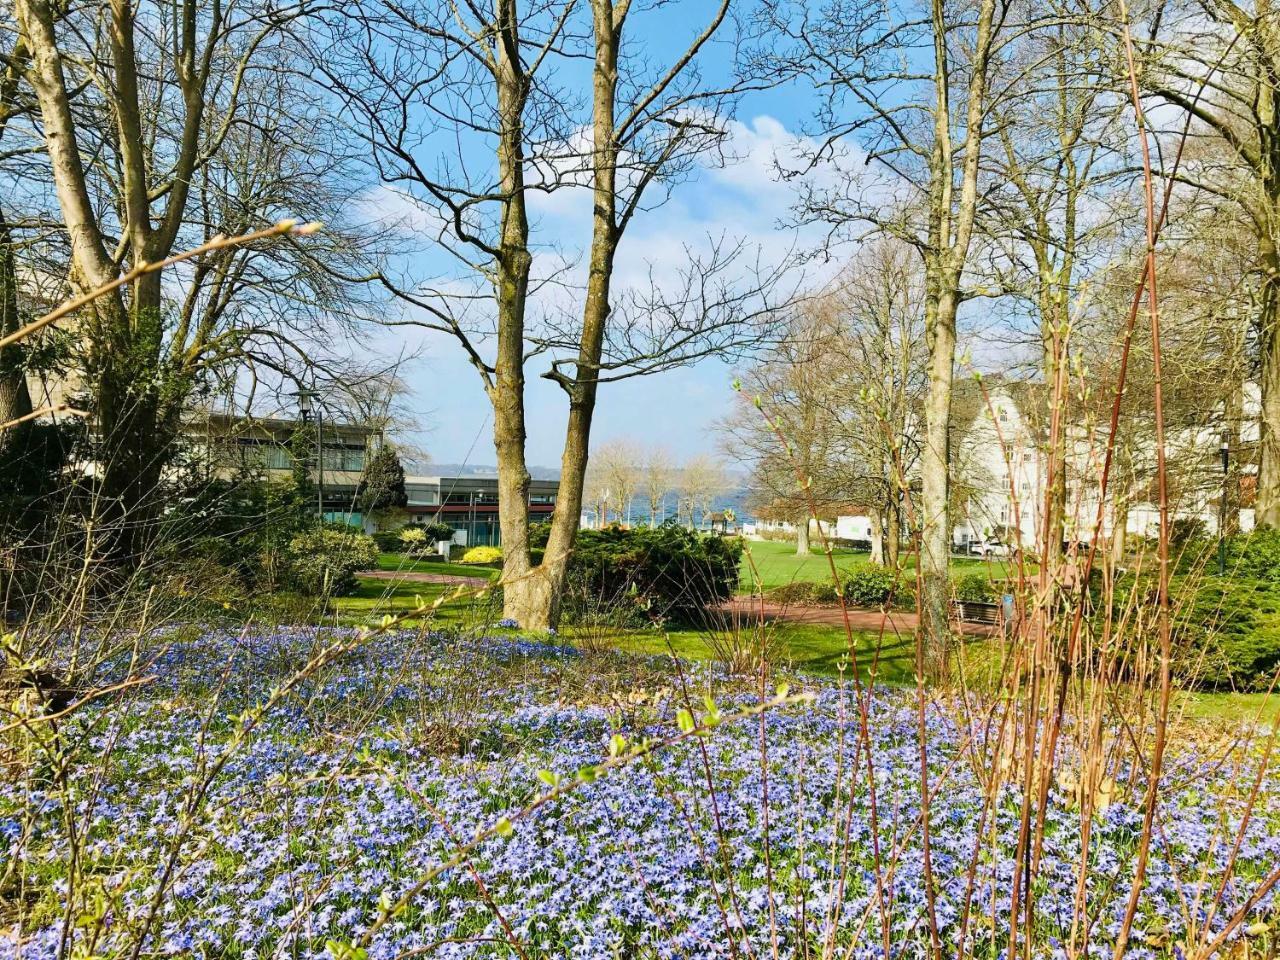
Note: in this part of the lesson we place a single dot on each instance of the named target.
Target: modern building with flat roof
(469, 503)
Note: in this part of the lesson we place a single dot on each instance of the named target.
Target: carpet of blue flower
(374, 769)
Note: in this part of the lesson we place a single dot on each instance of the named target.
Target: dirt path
(411, 576)
(749, 610)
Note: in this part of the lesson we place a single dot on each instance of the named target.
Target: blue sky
(678, 409)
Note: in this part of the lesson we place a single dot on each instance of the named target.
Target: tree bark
(877, 537)
(935, 536)
(15, 398)
(802, 537)
(524, 589)
(1268, 502)
(950, 229)
(893, 532)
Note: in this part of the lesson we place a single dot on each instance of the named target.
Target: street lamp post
(307, 407)
(1225, 450)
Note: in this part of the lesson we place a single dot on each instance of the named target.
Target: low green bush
(388, 541)
(1225, 630)
(974, 587)
(325, 560)
(1228, 636)
(482, 556)
(666, 573)
(868, 585)
(438, 531)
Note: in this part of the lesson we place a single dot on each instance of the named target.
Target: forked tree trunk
(535, 603)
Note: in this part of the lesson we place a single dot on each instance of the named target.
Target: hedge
(666, 573)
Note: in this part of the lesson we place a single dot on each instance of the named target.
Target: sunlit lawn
(402, 563)
(776, 563)
(808, 647)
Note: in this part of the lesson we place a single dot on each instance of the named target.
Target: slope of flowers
(374, 770)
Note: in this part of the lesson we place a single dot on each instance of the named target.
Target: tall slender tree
(909, 93)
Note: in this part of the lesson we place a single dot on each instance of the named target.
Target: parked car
(990, 548)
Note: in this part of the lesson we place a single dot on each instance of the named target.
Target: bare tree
(161, 130)
(1057, 201)
(881, 383)
(911, 87)
(657, 476)
(1217, 62)
(786, 425)
(616, 468)
(412, 77)
(701, 480)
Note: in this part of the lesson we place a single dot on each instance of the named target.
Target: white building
(1000, 459)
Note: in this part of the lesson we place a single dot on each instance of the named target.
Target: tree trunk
(1268, 505)
(893, 532)
(1119, 529)
(539, 601)
(802, 537)
(1054, 372)
(1234, 418)
(935, 537)
(15, 399)
(522, 588)
(877, 537)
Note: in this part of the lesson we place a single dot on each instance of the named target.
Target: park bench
(970, 611)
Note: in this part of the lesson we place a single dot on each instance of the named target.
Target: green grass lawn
(402, 563)
(776, 564)
(375, 598)
(809, 648)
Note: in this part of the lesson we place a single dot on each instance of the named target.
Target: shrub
(325, 560)
(388, 541)
(668, 573)
(482, 556)
(413, 539)
(1228, 636)
(974, 587)
(868, 585)
(438, 531)
(1255, 556)
(825, 592)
